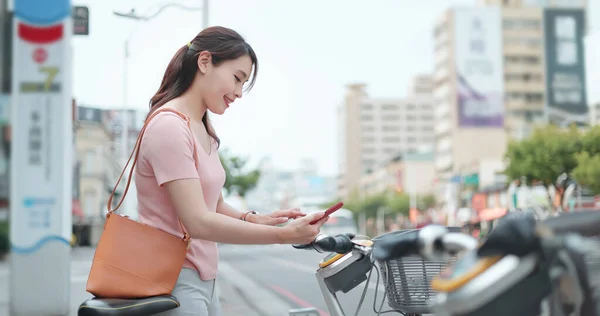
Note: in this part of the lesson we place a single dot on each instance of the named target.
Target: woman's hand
(301, 231)
(275, 218)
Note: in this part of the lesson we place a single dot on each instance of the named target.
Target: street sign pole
(41, 148)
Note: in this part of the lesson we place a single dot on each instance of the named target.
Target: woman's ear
(204, 61)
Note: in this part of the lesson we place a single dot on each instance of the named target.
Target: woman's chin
(219, 111)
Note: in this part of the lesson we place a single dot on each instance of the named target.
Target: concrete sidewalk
(257, 299)
(234, 302)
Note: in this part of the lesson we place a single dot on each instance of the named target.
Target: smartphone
(330, 211)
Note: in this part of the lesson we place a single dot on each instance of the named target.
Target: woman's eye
(237, 79)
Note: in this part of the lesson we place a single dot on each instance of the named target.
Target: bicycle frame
(333, 304)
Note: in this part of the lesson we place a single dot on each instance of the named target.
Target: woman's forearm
(226, 209)
(222, 228)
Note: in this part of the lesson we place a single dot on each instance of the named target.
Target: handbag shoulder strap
(134, 155)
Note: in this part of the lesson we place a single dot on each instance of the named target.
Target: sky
(308, 52)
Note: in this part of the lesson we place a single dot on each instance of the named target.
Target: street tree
(587, 172)
(546, 154)
(238, 177)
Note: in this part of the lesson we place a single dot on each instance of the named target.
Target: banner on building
(479, 66)
(564, 30)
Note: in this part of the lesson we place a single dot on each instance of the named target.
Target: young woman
(179, 174)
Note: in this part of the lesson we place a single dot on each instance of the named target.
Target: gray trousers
(197, 297)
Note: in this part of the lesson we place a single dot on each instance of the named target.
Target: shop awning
(76, 208)
(490, 214)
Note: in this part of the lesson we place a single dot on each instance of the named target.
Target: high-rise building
(501, 68)
(592, 59)
(373, 130)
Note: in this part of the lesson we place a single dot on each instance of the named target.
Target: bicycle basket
(407, 282)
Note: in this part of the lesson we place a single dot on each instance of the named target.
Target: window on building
(534, 97)
(89, 161)
(521, 24)
(391, 139)
(368, 139)
(368, 150)
(390, 118)
(89, 203)
(368, 162)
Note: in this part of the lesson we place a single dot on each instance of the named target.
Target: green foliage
(370, 205)
(237, 177)
(547, 153)
(4, 237)
(399, 204)
(427, 201)
(551, 151)
(587, 173)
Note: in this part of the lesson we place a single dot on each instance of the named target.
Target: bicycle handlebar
(436, 242)
(340, 243)
(432, 241)
(583, 223)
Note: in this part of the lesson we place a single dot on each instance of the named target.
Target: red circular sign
(40, 55)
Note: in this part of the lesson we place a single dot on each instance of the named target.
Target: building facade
(373, 130)
(500, 70)
(410, 173)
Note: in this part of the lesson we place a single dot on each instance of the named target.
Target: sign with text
(81, 20)
(41, 164)
(564, 30)
(479, 67)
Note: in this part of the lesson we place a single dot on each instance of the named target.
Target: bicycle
(505, 282)
(406, 275)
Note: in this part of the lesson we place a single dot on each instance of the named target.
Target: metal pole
(3, 44)
(205, 14)
(125, 119)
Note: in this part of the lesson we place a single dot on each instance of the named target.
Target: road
(290, 273)
(232, 302)
(81, 262)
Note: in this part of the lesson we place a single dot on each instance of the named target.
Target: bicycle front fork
(333, 305)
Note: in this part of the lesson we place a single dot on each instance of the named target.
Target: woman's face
(223, 84)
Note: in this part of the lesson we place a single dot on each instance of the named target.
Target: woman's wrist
(248, 216)
(281, 233)
(251, 217)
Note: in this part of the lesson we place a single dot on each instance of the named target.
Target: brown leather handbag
(134, 260)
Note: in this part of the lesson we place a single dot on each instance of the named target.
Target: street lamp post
(125, 117)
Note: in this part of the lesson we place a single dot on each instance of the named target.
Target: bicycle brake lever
(303, 246)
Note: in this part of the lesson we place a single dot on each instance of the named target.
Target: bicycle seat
(127, 307)
(395, 245)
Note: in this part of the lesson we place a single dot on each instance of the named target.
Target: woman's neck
(193, 105)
